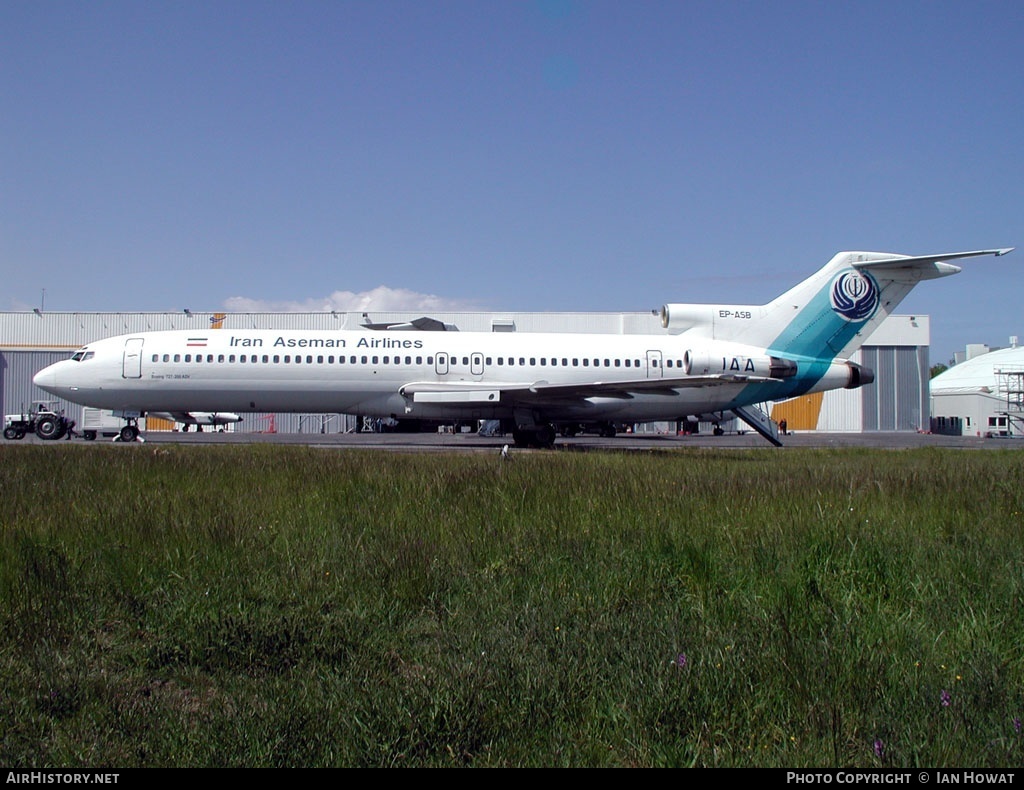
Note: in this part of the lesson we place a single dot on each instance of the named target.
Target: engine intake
(685, 316)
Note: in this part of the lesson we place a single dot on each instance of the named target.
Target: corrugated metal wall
(899, 399)
(843, 411)
(297, 423)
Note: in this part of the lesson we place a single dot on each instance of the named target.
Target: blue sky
(485, 154)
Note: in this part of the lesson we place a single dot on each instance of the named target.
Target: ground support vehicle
(42, 418)
(100, 422)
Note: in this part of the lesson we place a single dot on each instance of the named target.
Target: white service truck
(99, 422)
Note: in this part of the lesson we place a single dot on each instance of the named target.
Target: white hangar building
(981, 396)
(897, 352)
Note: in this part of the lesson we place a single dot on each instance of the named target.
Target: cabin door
(132, 365)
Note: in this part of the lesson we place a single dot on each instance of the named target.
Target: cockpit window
(82, 355)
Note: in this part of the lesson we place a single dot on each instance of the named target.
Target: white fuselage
(405, 374)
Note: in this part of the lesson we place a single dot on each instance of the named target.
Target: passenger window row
(452, 362)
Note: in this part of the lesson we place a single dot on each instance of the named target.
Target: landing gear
(130, 432)
(542, 436)
(545, 436)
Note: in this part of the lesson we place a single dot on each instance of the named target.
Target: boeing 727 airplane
(712, 358)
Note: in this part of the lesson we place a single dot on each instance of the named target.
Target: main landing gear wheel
(543, 436)
(130, 432)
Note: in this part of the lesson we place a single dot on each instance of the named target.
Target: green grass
(280, 606)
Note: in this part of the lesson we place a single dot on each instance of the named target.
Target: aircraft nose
(46, 379)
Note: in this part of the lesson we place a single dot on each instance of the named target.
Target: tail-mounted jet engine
(703, 363)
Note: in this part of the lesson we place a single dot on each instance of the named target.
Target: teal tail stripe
(812, 339)
(818, 331)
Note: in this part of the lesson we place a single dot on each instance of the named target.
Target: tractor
(42, 418)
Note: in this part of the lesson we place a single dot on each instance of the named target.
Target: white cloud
(18, 306)
(380, 299)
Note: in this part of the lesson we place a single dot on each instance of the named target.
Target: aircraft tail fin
(829, 314)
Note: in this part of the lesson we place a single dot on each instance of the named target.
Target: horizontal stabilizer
(921, 267)
(903, 261)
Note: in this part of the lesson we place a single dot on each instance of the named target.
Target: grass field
(284, 606)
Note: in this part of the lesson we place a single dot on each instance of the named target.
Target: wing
(539, 392)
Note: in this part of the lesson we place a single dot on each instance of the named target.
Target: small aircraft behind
(712, 358)
(197, 418)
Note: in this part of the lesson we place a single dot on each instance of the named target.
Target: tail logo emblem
(854, 295)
